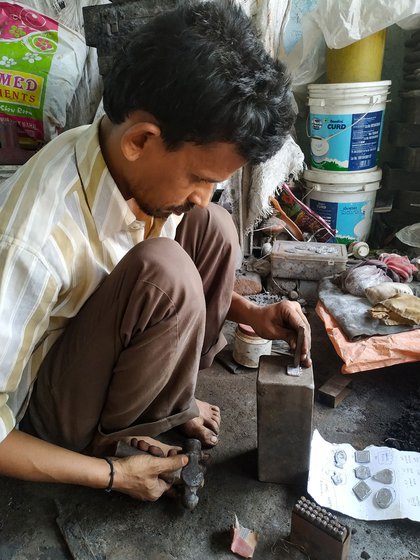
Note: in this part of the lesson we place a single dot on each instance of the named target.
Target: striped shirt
(64, 225)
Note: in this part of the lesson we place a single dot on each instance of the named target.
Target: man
(116, 273)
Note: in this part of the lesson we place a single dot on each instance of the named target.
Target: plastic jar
(248, 347)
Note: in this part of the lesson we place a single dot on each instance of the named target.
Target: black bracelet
(111, 474)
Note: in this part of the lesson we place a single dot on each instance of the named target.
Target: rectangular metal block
(410, 108)
(408, 201)
(404, 134)
(410, 159)
(284, 414)
(397, 179)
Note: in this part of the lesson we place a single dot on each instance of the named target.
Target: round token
(384, 498)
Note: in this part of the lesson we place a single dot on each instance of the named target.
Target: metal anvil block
(284, 412)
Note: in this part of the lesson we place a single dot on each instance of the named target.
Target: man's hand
(29, 458)
(139, 475)
(279, 321)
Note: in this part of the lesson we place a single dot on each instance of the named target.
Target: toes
(212, 424)
(173, 452)
(209, 438)
(156, 451)
(147, 448)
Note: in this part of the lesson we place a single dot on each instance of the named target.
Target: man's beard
(166, 211)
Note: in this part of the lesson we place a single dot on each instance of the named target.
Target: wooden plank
(334, 390)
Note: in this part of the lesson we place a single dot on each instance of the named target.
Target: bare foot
(152, 446)
(102, 446)
(206, 426)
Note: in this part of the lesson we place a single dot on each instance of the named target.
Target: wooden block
(334, 390)
(317, 544)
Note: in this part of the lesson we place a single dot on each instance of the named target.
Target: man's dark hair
(203, 73)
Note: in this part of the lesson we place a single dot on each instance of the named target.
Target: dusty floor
(115, 527)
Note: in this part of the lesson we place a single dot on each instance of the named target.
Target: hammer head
(192, 475)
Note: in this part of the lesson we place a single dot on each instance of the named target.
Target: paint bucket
(248, 347)
(345, 201)
(345, 125)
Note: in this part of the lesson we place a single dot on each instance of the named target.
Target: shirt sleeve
(28, 292)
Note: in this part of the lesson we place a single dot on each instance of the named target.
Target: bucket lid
(356, 86)
(342, 177)
(357, 93)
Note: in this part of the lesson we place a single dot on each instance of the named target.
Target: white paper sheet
(405, 467)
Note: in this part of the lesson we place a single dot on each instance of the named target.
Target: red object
(246, 329)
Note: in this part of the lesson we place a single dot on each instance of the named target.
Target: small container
(359, 249)
(249, 347)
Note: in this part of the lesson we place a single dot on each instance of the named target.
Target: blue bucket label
(345, 142)
(352, 220)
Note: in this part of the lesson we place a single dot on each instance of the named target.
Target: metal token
(362, 456)
(362, 490)
(362, 472)
(340, 458)
(294, 371)
(386, 476)
(384, 497)
(337, 478)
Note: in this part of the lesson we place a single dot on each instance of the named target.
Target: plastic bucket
(345, 201)
(345, 125)
(360, 61)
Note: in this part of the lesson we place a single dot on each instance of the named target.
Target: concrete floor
(115, 527)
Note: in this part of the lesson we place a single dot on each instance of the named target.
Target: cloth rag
(400, 264)
(402, 309)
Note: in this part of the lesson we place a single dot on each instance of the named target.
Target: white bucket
(345, 201)
(345, 125)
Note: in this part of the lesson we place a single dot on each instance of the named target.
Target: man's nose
(201, 197)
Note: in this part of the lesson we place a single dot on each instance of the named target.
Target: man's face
(163, 182)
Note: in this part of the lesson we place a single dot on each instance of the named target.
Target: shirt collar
(109, 210)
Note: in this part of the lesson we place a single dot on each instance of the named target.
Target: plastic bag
(305, 218)
(358, 279)
(41, 63)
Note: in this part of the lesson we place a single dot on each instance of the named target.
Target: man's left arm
(278, 321)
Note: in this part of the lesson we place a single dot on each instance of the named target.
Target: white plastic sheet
(347, 21)
(337, 24)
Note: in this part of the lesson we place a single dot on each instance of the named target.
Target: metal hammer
(188, 479)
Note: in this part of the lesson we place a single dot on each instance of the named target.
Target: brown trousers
(127, 364)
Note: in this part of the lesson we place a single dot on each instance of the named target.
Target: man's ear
(135, 138)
